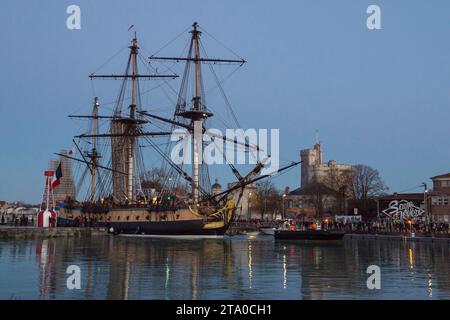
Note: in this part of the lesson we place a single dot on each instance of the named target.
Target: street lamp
(410, 226)
(425, 204)
(283, 209)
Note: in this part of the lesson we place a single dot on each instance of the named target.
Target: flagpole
(48, 192)
(53, 206)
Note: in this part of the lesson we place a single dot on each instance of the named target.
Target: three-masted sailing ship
(115, 197)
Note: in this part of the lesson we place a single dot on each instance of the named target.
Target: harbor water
(238, 267)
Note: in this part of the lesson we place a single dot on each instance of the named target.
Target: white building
(244, 210)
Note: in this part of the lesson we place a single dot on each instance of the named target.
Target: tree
(318, 196)
(341, 182)
(154, 179)
(267, 199)
(157, 178)
(367, 183)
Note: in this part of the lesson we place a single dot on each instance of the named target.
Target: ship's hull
(166, 228)
(162, 221)
(65, 222)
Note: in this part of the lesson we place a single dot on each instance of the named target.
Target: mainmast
(197, 116)
(197, 113)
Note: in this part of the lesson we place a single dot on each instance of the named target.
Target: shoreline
(29, 233)
(398, 237)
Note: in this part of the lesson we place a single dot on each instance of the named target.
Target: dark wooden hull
(159, 221)
(166, 228)
(67, 222)
(315, 235)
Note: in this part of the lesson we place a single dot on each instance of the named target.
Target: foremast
(130, 143)
(94, 155)
(124, 129)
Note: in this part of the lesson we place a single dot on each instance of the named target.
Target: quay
(400, 237)
(25, 233)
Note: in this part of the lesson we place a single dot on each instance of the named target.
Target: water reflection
(250, 264)
(45, 258)
(411, 260)
(237, 268)
(284, 272)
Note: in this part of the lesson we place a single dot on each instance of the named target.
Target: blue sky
(379, 97)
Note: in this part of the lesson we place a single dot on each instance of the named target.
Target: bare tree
(319, 196)
(154, 179)
(341, 182)
(367, 183)
(267, 198)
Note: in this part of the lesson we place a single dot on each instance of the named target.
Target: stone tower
(311, 158)
(67, 185)
(216, 188)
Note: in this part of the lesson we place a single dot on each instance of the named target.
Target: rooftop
(405, 196)
(445, 175)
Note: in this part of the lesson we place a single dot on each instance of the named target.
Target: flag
(58, 175)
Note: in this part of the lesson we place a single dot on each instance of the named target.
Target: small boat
(308, 235)
(267, 231)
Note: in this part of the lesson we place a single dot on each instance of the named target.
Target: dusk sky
(377, 97)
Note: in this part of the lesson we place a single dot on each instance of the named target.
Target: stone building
(314, 169)
(315, 174)
(216, 188)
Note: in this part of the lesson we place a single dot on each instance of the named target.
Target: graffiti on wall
(403, 209)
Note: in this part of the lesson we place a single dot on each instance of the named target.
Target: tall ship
(167, 198)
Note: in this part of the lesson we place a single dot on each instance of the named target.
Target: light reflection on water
(232, 268)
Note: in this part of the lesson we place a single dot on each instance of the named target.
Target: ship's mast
(130, 147)
(197, 113)
(196, 144)
(125, 130)
(93, 155)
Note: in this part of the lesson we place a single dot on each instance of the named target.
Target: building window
(440, 201)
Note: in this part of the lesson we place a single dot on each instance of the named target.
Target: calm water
(234, 268)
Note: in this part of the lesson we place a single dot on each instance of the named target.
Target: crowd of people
(14, 220)
(390, 226)
(374, 227)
